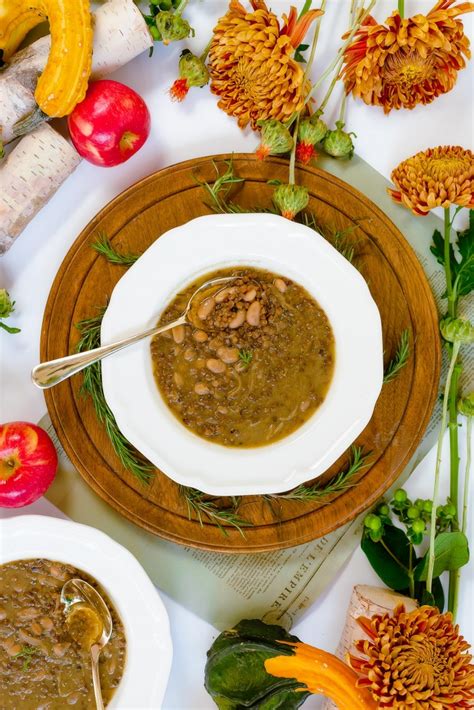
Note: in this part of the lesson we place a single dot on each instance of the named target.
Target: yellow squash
(63, 83)
(17, 18)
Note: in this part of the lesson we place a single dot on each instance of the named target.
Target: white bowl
(270, 242)
(149, 650)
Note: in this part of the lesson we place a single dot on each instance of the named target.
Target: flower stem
(342, 111)
(411, 578)
(205, 51)
(181, 7)
(466, 476)
(401, 8)
(447, 263)
(314, 44)
(293, 152)
(439, 451)
(455, 575)
(331, 86)
(340, 54)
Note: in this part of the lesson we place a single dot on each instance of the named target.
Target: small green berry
(427, 506)
(400, 496)
(383, 510)
(373, 522)
(413, 513)
(419, 503)
(418, 526)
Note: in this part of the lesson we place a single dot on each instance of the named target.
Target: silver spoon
(76, 591)
(51, 373)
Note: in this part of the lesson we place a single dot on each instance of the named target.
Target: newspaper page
(277, 586)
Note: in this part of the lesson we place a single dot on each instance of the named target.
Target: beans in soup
(255, 367)
(43, 666)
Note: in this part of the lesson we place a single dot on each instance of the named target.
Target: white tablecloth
(179, 132)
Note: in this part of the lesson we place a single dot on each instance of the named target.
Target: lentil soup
(257, 365)
(41, 665)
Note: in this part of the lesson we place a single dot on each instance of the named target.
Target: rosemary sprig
(26, 653)
(337, 237)
(245, 356)
(202, 506)
(129, 457)
(341, 481)
(220, 188)
(103, 246)
(400, 358)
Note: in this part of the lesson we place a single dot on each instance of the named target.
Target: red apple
(28, 463)
(110, 125)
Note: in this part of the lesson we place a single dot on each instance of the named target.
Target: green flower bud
(413, 513)
(7, 306)
(290, 199)
(400, 496)
(457, 330)
(427, 506)
(372, 522)
(276, 138)
(419, 503)
(418, 526)
(172, 27)
(338, 142)
(383, 510)
(312, 130)
(449, 510)
(193, 69)
(466, 405)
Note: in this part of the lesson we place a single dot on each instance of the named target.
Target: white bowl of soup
(277, 378)
(41, 664)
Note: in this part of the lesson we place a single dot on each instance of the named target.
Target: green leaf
(390, 557)
(451, 551)
(299, 53)
(462, 269)
(464, 282)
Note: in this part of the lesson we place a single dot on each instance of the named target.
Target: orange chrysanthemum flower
(415, 661)
(437, 177)
(251, 63)
(408, 61)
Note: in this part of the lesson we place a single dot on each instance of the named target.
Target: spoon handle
(95, 653)
(48, 374)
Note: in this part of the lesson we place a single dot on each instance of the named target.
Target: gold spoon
(80, 599)
(51, 373)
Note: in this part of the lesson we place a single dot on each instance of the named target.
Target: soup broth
(43, 667)
(257, 365)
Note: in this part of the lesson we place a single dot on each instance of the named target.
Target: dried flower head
(251, 63)
(192, 72)
(338, 143)
(290, 199)
(415, 661)
(409, 61)
(7, 306)
(276, 139)
(465, 405)
(172, 27)
(437, 177)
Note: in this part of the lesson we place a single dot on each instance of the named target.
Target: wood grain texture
(169, 198)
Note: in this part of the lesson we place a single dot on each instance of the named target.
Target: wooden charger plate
(169, 198)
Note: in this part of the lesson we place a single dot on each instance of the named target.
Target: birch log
(366, 601)
(120, 34)
(30, 176)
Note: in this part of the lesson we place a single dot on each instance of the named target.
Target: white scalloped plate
(270, 242)
(149, 648)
